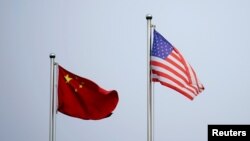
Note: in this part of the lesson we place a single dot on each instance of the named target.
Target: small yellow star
(81, 85)
(67, 78)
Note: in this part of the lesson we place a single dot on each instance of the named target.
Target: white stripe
(197, 81)
(157, 59)
(173, 84)
(176, 61)
(191, 73)
(192, 76)
(160, 69)
(175, 53)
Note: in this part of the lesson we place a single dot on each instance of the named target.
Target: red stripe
(175, 88)
(159, 64)
(185, 65)
(190, 79)
(175, 64)
(174, 54)
(172, 79)
(183, 61)
(167, 77)
(197, 82)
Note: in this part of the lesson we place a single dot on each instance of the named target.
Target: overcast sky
(105, 41)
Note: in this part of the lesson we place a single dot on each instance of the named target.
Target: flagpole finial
(52, 55)
(149, 16)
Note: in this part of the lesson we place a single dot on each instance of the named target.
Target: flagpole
(149, 82)
(52, 121)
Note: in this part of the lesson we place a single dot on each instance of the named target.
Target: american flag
(171, 69)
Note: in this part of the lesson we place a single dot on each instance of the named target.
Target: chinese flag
(82, 98)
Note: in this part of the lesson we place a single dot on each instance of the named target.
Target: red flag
(82, 98)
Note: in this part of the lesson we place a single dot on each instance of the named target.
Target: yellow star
(81, 85)
(67, 78)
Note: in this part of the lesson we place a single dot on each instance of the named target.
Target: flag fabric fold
(82, 98)
(171, 69)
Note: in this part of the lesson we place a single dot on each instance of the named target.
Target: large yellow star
(67, 78)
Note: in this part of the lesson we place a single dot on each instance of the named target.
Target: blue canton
(161, 47)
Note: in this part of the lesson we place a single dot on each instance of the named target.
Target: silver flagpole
(149, 82)
(52, 121)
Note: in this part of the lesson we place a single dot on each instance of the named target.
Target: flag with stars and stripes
(82, 98)
(171, 69)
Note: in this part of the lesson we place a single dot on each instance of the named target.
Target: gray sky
(105, 41)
